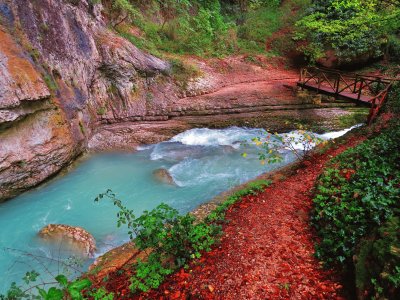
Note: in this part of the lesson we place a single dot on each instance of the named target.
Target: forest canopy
(349, 28)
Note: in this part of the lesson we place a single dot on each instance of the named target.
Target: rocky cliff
(61, 71)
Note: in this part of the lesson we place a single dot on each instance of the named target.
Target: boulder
(73, 238)
(163, 175)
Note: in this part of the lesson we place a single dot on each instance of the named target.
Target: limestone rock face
(35, 138)
(62, 71)
(21, 85)
(72, 238)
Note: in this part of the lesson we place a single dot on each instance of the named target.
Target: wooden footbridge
(361, 89)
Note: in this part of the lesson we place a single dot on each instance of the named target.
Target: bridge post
(355, 84)
(360, 90)
(319, 81)
(378, 85)
(337, 81)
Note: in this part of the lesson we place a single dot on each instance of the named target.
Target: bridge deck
(366, 100)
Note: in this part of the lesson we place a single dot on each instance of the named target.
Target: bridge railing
(339, 83)
(362, 88)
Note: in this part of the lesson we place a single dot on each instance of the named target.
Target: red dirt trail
(266, 251)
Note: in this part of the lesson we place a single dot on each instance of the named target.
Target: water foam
(216, 137)
(296, 136)
(336, 134)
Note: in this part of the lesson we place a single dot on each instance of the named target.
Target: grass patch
(356, 115)
(182, 72)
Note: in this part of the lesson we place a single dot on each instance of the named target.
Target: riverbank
(285, 226)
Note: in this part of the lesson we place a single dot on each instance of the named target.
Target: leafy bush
(377, 262)
(202, 27)
(259, 25)
(394, 47)
(393, 103)
(61, 288)
(351, 28)
(182, 72)
(356, 202)
(173, 240)
(357, 192)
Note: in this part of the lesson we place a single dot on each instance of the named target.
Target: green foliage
(393, 103)
(377, 266)
(356, 115)
(124, 7)
(349, 27)
(259, 25)
(149, 274)
(51, 84)
(100, 294)
(182, 72)
(201, 27)
(174, 239)
(205, 33)
(393, 47)
(101, 111)
(60, 289)
(356, 211)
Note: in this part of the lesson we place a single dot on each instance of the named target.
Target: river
(203, 163)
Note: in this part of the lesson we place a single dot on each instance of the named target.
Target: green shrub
(393, 103)
(149, 274)
(61, 288)
(203, 27)
(356, 193)
(173, 240)
(356, 213)
(377, 262)
(394, 48)
(182, 72)
(351, 28)
(260, 24)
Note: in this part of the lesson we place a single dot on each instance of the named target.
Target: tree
(351, 28)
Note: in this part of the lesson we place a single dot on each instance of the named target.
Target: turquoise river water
(203, 162)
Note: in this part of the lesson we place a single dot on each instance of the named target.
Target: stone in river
(72, 238)
(163, 175)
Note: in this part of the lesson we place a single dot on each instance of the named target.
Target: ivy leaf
(62, 280)
(54, 294)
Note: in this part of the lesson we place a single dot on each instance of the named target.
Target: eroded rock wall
(62, 71)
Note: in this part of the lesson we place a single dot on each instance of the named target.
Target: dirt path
(266, 251)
